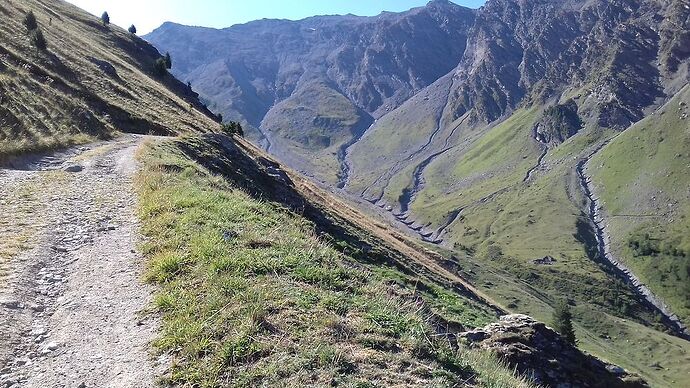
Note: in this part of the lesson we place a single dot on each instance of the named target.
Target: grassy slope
(252, 294)
(315, 147)
(531, 220)
(91, 82)
(661, 359)
(465, 175)
(639, 177)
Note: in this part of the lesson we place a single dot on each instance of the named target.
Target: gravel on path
(72, 299)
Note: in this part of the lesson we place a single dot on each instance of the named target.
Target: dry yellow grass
(91, 82)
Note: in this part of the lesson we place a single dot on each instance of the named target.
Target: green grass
(616, 339)
(529, 221)
(250, 295)
(642, 179)
(497, 160)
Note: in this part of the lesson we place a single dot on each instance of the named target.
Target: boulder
(541, 354)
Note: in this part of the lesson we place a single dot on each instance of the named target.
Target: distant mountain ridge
(330, 75)
(486, 132)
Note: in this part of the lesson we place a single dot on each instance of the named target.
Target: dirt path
(71, 291)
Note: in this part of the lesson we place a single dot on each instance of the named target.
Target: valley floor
(71, 295)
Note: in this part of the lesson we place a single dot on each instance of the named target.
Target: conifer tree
(563, 322)
(30, 21)
(160, 67)
(168, 61)
(38, 40)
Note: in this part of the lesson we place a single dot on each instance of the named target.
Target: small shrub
(494, 252)
(132, 29)
(30, 21)
(233, 128)
(38, 40)
(643, 245)
(105, 18)
(168, 61)
(159, 67)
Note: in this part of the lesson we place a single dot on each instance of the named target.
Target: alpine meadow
(438, 197)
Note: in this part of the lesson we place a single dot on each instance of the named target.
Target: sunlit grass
(250, 295)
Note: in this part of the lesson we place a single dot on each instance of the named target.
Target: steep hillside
(644, 205)
(264, 277)
(316, 293)
(312, 87)
(490, 161)
(90, 82)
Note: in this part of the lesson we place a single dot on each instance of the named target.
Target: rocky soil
(72, 300)
(537, 351)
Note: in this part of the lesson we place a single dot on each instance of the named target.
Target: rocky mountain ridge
(482, 159)
(332, 76)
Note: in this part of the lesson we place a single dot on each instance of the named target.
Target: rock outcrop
(537, 351)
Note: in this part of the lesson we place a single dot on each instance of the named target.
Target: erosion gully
(603, 237)
(540, 161)
(408, 195)
(389, 173)
(344, 151)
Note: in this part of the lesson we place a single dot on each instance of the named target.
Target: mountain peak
(439, 2)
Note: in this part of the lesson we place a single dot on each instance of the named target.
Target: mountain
(91, 82)
(545, 141)
(114, 175)
(490, 161)
(331, 76)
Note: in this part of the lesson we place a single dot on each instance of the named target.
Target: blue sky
(149, 14)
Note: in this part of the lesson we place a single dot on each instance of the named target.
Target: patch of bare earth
(72, 298)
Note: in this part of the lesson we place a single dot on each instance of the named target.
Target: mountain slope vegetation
(637, 177)
(275, 300)
(493, 161)
(90, 82)
(467, 127)
(305, 296)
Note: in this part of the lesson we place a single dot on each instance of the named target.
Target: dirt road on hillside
(72, 298)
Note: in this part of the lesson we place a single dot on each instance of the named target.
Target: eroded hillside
(329, 76)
